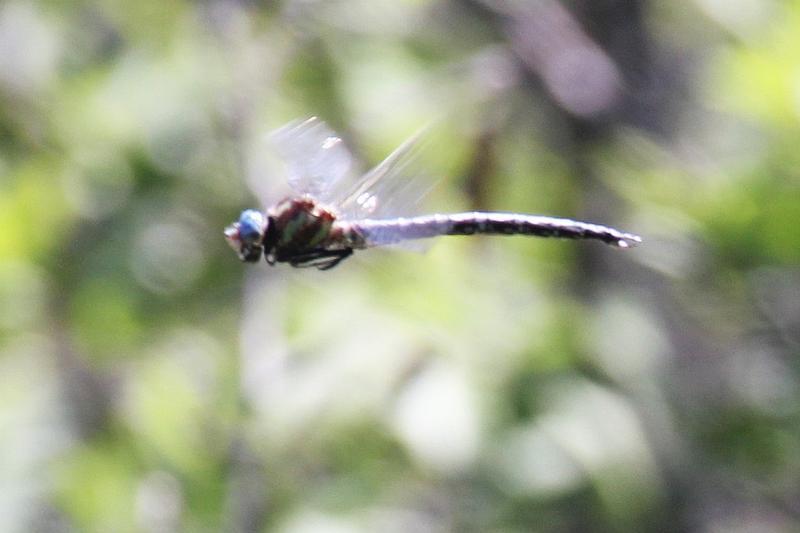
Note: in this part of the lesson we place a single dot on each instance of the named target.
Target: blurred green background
(151, 382)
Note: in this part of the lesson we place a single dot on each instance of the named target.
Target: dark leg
(336, 260)
(322, 259)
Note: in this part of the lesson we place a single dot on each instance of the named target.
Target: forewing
(393, 188)
(317, 161)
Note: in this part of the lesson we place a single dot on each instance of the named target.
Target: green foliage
(151, 382)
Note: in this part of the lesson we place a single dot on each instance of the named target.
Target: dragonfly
(333, 211)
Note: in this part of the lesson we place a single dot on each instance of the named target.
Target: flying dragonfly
(334, 211)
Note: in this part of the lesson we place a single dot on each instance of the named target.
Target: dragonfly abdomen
(377, 232)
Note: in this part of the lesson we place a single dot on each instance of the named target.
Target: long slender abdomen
(380, 232)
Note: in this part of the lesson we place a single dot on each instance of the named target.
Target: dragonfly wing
(395, 187)
(317, 161)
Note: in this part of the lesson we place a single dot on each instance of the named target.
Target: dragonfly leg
(335, 260)
(321, 259)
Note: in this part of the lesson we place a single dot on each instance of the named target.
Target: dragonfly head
(246, 235)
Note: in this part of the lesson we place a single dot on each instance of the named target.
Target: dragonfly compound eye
(245, 236)
(252, 225)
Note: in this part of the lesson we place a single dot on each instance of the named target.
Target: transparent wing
(395, 187)
(317, 161)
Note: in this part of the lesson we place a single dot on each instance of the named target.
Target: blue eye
(251, 226)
